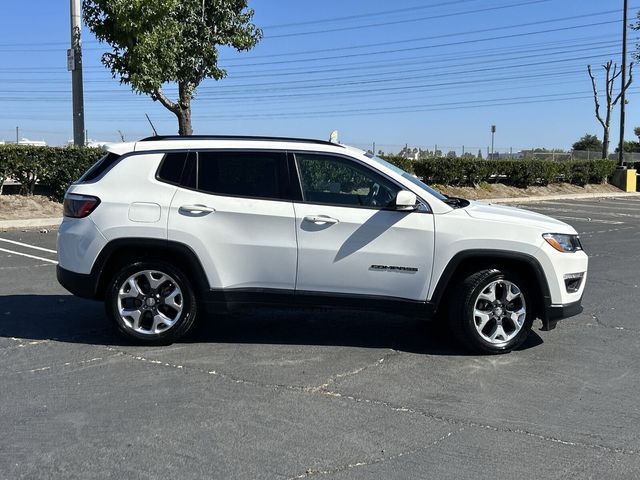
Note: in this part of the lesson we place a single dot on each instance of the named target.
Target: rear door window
(172, 167)
(243, 174)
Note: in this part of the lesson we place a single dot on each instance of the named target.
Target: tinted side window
(245, 174)
(99, 167)
(337, 181)
(172, 167)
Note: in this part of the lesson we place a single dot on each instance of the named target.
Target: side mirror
(406, 201)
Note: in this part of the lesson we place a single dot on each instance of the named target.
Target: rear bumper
(554, 313)
(81, 285)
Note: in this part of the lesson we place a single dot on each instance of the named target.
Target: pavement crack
(204, 371)
(23, 342)
(600, 323)
(471, 424)
(350, 373)
(461, 423)
(311, 472)
(66, 364)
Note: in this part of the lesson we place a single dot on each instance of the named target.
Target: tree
(588, 143)
(630, 147)
(159, 42)
(636, 132)
(479, 154)
(611, 74)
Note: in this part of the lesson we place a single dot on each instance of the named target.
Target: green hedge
(519, 173)
(58, 167)
(55, 167)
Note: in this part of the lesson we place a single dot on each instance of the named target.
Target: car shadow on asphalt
(65, 318)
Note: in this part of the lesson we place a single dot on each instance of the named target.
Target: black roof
(237, 137)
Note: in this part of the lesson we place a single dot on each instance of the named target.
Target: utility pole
(74, 65)
(624, 82)
(17, 135)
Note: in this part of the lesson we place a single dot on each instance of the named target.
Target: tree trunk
(185, 92)
(184, 121)
(605, 143)
(181, 109)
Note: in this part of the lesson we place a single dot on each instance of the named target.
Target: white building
(35, 143)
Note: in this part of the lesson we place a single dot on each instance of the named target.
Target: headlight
(562, 242)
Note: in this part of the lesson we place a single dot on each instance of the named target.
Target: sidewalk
(571, 196)
(54, 222)
(30, 223)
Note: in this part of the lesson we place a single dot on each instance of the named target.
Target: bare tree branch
(612, 73)
(616, 72)
(626, 85)
(609, 85)
(595, 96)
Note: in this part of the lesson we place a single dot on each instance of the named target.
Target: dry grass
(20, 207)
(498, 190)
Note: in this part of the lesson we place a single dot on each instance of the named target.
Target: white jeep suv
(168, 226)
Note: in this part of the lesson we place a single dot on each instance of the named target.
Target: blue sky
(418, 72)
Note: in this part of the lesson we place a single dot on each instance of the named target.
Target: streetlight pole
(74, 64)
(493, 134)
(624, 82)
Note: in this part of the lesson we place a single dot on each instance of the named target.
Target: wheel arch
(120, 252)
(466, 262)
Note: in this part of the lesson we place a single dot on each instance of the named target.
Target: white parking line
(588, 219)
(27, 245)
(592, 205)
(580, 219)
(28, 256)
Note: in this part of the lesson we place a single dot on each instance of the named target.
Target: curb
(30, 223)
(571, 196)
(54, 222)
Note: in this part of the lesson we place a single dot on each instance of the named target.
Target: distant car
(166, 226)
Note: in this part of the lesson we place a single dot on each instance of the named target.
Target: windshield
(408, 176)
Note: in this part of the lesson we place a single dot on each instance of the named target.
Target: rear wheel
(152, 302)
(491, 312)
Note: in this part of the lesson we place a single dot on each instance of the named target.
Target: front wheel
(491, 312)
(152, 302)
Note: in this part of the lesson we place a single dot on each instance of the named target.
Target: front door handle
(320, 219)
(197, 209)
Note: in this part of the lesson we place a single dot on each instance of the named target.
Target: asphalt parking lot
(282, 394)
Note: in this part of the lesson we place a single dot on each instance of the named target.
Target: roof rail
(236, 137)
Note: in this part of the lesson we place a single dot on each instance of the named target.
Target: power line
(359, 83)
(477, 53)
(398, 42)
(380, 70)
(560, 97)
(436, 37)
(367, 15)
(413, 20)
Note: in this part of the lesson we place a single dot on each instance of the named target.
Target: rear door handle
(320, 219)
(197, 209)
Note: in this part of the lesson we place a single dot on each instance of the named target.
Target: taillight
(79, 206)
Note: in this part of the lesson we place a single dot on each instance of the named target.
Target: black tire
(176, 285)
(465, 324)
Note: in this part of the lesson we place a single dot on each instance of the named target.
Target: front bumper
(554, 313)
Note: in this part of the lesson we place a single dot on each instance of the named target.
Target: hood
(501, 213)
